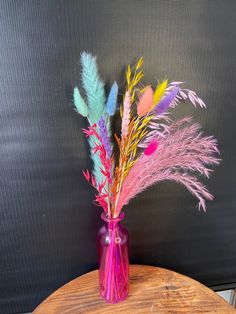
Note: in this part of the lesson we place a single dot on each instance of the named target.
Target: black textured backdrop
(47, 221)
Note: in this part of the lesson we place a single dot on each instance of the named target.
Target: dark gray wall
(47, 221)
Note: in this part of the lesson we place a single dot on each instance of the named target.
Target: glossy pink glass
(112, 244)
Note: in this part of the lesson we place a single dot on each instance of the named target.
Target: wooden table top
(152, 290)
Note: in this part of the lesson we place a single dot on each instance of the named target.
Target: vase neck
(112, 223)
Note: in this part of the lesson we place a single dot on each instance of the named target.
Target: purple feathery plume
(164, 104)
(184, 94)
(104, 136)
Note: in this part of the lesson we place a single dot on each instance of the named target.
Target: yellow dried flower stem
(128, 74)
(140, 132)
(136, 77)
(128, 146)
(140, 63)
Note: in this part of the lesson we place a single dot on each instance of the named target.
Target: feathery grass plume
(178, 156)
(104, 136)
(184, 94)
(145, 101)
(94, 87)
(159, 93)
(105, 140)
(126, 115)
(159, 126)
(133, 81)
(79, 103)
(166, 101)
(112, 99)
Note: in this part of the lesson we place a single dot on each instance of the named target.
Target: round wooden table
(152, 290)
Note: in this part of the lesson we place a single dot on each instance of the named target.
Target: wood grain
(152, 290)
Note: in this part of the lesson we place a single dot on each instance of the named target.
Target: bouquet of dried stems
(152, 147)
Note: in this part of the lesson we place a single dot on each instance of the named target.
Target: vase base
(114, 301)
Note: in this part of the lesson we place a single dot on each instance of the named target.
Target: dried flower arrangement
(152, 147)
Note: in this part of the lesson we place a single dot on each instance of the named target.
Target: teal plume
(94, 89)
(93, 86)
(112, 99)
(79, 103)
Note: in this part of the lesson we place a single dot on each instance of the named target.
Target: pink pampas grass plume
(180, 156)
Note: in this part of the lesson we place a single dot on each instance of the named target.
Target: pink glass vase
(112, 244)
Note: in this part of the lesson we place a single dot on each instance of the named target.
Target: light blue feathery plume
(94, 87)
(112, 99)
(79, 103)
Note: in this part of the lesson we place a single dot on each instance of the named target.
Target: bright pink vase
(112, 244)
